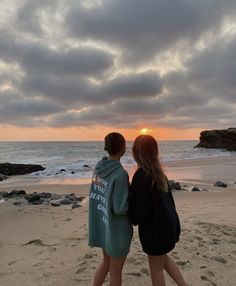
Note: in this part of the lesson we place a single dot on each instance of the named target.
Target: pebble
(220, 184)
(195, 189)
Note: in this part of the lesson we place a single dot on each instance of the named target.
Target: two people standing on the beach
(114, 206)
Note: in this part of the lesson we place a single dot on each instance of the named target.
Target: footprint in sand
(145, 271)
(183, 263)
(204, 278)
(137, 274)
(203, 266)
(219, 259)
(82, 263)
(37, 242)
(208, 273)
(89, 255)
(87, 259)
(38, 264)
(131, 260)
(13, 262)
(53, 249)
(174, 254)
(83, 226)
(196, 237)
(67, 219)
(80, 270)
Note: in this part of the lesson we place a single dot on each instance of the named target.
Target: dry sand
(58, 253)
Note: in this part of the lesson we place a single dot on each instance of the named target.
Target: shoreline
(200, 170)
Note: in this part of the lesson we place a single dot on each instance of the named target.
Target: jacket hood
(105, 167)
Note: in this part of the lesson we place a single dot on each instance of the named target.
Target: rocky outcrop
(9, 169)
(218, 139)
(20, 197)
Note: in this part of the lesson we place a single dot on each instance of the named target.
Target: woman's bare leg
(116, 266)
(156, 265)
(102, 270)
(173, 270)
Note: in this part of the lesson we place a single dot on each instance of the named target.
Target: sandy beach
(45, 245)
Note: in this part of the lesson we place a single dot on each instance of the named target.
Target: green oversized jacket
(109, 225)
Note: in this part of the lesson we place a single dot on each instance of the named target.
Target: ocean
(78, 159)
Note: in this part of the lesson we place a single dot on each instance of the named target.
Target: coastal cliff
(218, 139)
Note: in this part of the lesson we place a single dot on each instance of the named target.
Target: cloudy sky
(74, 70)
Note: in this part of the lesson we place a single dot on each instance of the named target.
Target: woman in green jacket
(108, 207)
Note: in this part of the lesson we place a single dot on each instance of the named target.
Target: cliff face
(218, 139)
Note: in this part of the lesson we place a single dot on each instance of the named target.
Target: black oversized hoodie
(153, 210)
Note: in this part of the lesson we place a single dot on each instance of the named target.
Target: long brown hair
(145, 153)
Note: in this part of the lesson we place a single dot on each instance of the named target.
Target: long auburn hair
(145, 153)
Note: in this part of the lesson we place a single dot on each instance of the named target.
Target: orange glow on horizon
(12, 133)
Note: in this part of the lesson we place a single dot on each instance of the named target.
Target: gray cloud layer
(71, 65)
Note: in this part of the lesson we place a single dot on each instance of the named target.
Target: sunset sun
(145, 131)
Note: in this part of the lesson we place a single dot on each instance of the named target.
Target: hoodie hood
(105, 167)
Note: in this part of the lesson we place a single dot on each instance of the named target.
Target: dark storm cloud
(31, 15)
(20, 111)
(16, 104)
(28, 16)
(94, 116)
(140, 85)
(143, 85)
(38, 59)
(214, 71)
(96, 66)
(143, 28)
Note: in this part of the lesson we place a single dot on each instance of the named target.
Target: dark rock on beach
(44, 195)
(174, 185)
(3, 195)
(177, 186)
(218, 139)
(195, 189)
(86, 166)
(9, 169)
(2, 177)
(16, 193)
(75, 205)
(220, 184)
(32, 198)
(43, 198)
(17, 203)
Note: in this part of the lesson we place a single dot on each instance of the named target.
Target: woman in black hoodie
(152, 208)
